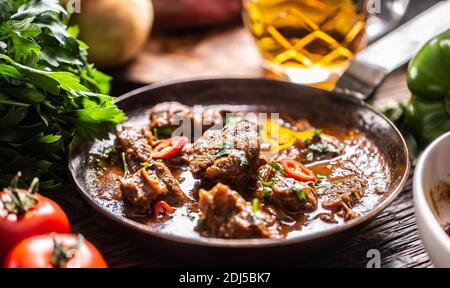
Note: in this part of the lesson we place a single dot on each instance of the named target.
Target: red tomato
(55, 251)
(169, 147)
(297, 170)
(45, 217)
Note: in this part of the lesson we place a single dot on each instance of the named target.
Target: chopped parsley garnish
(146, 164)
(323, 148)
(255, 205)
(300, 191)
(277, 167)
(126, 171)
(318, 133)
(301, 195)
(266, 183)
(266, 193)
(162, 132)
(226, 150)
(109, 149)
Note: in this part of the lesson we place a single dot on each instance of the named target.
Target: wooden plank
(213, 53)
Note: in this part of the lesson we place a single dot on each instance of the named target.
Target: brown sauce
(360, 161)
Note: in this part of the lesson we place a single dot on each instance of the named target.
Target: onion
(114, 30)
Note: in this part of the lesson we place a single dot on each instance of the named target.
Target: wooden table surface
(394, 232)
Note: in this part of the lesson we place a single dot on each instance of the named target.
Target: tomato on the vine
(24, 213)
(55, 251)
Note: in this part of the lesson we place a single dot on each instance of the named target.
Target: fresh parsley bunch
(51, 98)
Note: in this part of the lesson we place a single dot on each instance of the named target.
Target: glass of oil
(307, 41)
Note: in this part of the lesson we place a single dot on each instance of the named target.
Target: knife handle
(369, 67)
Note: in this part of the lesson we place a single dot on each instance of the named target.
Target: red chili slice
(169, 147)
(162, 208)
(297, 170)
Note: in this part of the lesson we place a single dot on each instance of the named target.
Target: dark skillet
(296, 100)
(344, 106)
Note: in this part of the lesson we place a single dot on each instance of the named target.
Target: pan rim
(248, 243)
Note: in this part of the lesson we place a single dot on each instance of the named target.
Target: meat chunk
(141, 189)
(175, 195)
(168, 115)
(228, 156)
(343, 195)
(225, 214)
(146, 185)
(287, 193)
(134, 142)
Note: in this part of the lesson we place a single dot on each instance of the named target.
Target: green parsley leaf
(51, 98)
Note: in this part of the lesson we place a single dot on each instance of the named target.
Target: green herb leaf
(146, 164)
(301, 195)
(255, 205)
(8, 71)
(323, 148)
(126, 171)
(266, 193)
(38, 8)
(266, 183)
(109, 149)
(277, 167)
(239, 153)
(51, 99)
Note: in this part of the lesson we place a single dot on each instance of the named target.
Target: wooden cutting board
(221, 52)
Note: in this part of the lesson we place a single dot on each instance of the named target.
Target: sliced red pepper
(297, 170)
(161, 208)
(169, 147)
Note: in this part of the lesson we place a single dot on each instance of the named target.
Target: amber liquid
(308, 41)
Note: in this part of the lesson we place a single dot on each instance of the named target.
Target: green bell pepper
(428, 112)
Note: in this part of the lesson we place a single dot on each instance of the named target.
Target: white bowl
(432, 168)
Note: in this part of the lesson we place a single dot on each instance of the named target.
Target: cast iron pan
(299, 101)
